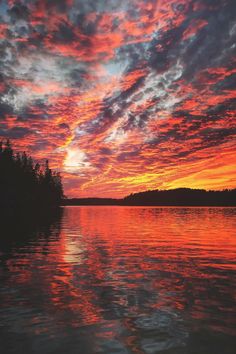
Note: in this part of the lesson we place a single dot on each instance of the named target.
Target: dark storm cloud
(15, 133)
(162, 51)
(213, 44)
(64, 126)
(5, 109)
(59, 5)
(64, 34)
(88, 28)
(99, 6)
(18, 12)
(105, 151)
(229, 83)
(219, 110)
(76, 76)
(139, 82)
(127, 155)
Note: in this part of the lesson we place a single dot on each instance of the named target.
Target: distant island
(28, 185)
(172, 197)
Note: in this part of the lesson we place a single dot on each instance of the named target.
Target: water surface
(120, 280)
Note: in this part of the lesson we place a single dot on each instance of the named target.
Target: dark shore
(173, 197)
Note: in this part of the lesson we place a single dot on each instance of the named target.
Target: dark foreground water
(120, 280)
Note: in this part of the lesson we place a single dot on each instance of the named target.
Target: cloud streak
(122, 96)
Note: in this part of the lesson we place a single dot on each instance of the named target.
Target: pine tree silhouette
(23, 183)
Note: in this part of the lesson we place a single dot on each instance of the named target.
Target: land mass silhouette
(171, 197)
(26, 185)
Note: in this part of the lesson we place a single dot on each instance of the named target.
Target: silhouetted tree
(23, 183)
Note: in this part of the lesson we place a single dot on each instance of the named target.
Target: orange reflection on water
(129, 270)
(187, 249)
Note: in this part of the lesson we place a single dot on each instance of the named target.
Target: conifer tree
(23, 183)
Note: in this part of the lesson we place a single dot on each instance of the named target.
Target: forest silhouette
(183, 197)
(25, 184)
(171, 197)
(28, 185)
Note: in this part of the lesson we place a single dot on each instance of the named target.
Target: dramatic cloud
(122, 96)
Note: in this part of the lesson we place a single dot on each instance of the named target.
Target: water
(120, 280)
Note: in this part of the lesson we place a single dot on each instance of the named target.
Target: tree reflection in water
(123, 280)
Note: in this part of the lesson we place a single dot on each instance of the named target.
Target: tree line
(24, 183)
(183, 197)
(171, 197)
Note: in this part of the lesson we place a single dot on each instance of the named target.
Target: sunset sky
(122, 95)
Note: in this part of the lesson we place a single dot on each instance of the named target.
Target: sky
(122, 96)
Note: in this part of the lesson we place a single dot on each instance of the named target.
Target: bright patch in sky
(122, 96)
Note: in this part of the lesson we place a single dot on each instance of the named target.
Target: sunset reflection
(124, 272)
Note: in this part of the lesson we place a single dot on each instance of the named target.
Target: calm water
(120, 280)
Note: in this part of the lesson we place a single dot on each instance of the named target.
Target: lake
(120, 280)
